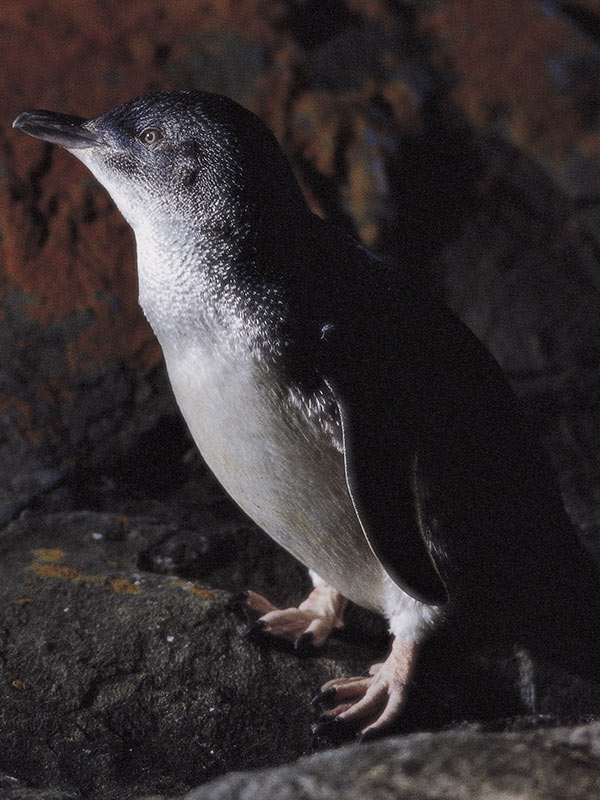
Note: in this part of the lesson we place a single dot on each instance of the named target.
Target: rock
(115, 682)
(548, 765)
(12, 789)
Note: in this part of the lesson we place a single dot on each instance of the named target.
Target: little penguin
(337, 400)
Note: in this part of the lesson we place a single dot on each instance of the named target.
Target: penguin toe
(368, 704)
(306, 627)
(255, 630)
(366, 707)
(300, 628)
(335, 730)
(249, 605)
(304, 644)
(369, 735)
(324, 698)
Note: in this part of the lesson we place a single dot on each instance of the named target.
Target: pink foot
(368, 703)
(308, 625)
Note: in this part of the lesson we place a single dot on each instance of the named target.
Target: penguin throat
(193, 283)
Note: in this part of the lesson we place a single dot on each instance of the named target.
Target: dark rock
(549, 765)
(115, 682)
(12, 789)
(26, 476)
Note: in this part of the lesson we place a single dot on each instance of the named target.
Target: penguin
(337, 400)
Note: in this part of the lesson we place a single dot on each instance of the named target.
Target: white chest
(282, 470)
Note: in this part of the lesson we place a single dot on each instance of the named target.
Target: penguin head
(179, 157)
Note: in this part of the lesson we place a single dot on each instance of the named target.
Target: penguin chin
(114, 171)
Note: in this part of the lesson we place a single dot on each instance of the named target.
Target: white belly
(282, 471)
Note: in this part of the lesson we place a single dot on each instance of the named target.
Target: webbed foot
(307, 626)
(369, 703)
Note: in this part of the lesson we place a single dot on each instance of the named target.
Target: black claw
(324, 698)
(303, 645)
(238, 604)
(236, 599)
(367, 736)
(255, 630)
(333, 727)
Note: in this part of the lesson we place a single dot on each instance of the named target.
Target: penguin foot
(307, 626)
(368, 703)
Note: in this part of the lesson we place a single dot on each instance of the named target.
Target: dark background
(458, 138)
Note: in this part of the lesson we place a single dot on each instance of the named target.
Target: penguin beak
(67, 131)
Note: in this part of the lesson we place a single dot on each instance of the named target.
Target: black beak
(60, 129)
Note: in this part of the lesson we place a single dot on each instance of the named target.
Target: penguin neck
(208, 284)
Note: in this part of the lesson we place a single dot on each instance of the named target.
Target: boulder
(549, 765)
(115, 681)
(119, 677)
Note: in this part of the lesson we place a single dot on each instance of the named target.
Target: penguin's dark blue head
(178, 156)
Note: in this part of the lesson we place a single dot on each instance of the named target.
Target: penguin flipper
(380, 460)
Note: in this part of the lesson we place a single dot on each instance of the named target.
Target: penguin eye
(150, 137)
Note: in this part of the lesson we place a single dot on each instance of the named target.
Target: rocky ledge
(123, 676)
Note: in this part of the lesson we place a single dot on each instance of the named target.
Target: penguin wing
(380, 453)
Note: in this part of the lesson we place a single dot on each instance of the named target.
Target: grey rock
(463, 764)
(43, 441)
(115, 682)
(13, 789)
(24, 474)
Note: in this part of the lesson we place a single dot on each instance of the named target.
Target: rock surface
(459, 139)
(552, 765)
(116, 682)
